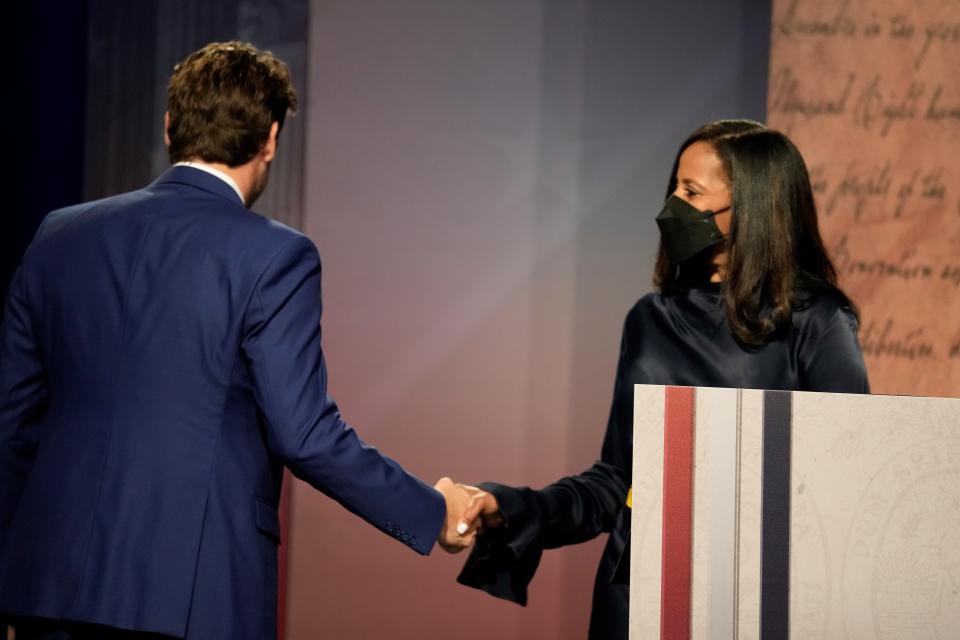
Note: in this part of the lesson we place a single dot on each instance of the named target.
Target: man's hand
(458, 530)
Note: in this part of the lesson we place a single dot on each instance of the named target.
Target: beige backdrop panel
(869, 91)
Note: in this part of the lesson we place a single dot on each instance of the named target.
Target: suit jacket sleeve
(304, 427)
(23, 395)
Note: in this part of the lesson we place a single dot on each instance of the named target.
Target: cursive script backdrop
(869, 91)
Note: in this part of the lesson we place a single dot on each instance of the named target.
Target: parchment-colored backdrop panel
(869, 91)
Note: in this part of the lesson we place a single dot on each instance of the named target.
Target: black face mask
(686, 231)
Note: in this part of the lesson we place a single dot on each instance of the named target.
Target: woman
(746, 297)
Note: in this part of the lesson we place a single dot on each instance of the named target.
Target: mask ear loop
(710, 212)
(724, 237)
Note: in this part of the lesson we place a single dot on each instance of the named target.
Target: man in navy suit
(160, 363)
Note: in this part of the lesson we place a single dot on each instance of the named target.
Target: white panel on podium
(793, 514)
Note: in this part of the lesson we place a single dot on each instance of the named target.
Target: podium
(775, 514)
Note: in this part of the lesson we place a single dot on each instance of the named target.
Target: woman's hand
(483, 506)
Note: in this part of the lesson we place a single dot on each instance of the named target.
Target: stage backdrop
(869, 91)
(482, 180)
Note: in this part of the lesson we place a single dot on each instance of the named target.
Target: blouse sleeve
(572, 510)
(832, 360)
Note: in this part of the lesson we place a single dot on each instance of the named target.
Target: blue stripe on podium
(775, 518)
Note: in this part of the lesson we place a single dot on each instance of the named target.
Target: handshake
(469, 511)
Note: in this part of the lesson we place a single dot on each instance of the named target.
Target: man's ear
(269, 150)
(166, 128)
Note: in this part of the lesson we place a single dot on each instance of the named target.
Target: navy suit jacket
(160, 363)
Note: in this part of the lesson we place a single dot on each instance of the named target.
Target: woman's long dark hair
(776, 255)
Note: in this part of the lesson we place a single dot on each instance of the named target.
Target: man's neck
(239, 178)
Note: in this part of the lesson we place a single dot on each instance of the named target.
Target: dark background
(43, 119)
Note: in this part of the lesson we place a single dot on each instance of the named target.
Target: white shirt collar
(214, 172)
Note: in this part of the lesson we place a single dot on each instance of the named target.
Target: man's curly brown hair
(222, 100)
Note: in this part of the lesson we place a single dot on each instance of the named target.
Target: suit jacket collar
(201, 180)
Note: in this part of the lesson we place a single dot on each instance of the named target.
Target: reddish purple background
(481, 181)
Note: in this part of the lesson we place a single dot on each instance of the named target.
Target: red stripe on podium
(677, 514)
